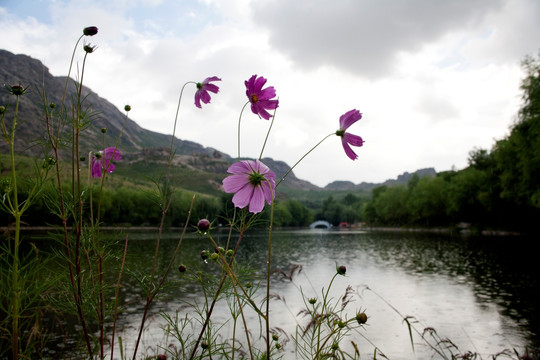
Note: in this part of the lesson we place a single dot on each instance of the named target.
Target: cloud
(361, 36)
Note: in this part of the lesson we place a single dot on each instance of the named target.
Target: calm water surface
(479, 292)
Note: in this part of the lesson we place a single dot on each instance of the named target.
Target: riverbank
(458, 230)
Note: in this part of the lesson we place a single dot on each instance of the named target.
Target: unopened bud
(204, 254)
(361, 318)
(90, 31)
(89, 48)
(203, 225)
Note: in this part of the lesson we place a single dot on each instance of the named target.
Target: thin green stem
(268, 133)
(239, 121)
(233, 277)
(268, 269)
(16, 296)
(302, 158)
(214, 300)
(171, 152)
(323, 308)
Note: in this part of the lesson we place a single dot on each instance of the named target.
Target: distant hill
(402, 179)
(137, 144)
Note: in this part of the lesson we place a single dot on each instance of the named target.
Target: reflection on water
(481, 293)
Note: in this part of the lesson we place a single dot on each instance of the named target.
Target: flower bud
(219, 250)
(341, 270)
(52, 105)
(214, 256)
(361, 318)
(90, 31)
(204, 254)
(204, 345)
(89, 48)
(49, 161)
(82, 158)
(312, 301)
(2, 109)
(182, 268)
(16, 90)
(127, 108)
(229, 253)
(103, 130)
(275, 337)
(203, 225)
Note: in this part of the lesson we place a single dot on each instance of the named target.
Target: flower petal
(108, 166)
(258, 109)
(267, 94)
(350, 153)
(95, 167)
(211, 87)
(243, 196)
(234, 183)
(112, 153)
(210, 79)
(352, 139)
(256, 203)
(269, 191)
(205, 97)
(349, 118)
(198, 99)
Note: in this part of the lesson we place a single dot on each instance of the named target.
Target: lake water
(479, 292)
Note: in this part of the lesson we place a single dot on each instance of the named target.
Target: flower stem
(16, 292)
(268, 133)
(268, 264)
(302, 158)
(239, 121)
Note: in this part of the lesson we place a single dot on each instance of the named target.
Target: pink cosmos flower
(203, 89)
(346, 120)
(252, 183)
(103, 160)
(260, 98)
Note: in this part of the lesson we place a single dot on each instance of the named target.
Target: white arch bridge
(320, 224)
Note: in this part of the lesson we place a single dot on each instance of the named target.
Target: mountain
(137, 144)
(32, 74)
(402, 179)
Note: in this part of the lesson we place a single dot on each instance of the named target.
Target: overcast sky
(433, 79)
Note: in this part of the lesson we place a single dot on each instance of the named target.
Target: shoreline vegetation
(464, 230)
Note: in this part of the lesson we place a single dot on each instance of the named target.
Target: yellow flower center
(254, 98)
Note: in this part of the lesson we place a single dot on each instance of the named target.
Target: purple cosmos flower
(260, 98)
(346, 120)
(203, 89)
(252, 183)
(103, 160)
